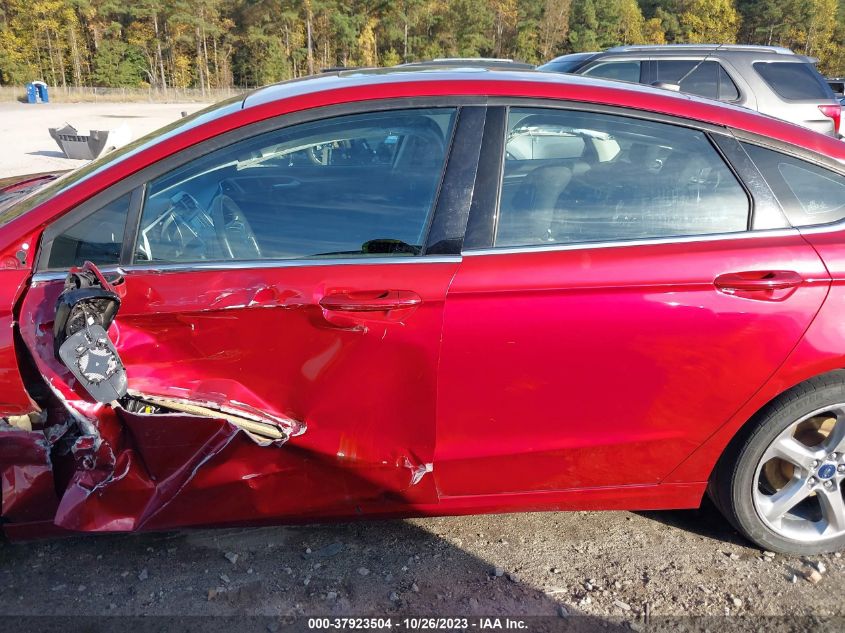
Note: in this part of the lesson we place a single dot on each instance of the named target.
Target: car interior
(353, 186)
(574, 177)
(364, 185)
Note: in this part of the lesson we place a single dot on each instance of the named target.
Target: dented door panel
(363, 384)
(26, 475)
(150, 461)
(354, 393)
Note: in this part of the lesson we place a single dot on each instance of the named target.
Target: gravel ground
(28, 147)
(619, 567)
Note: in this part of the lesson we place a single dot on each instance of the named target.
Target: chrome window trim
(580, 246)
(162, 268)
(830, 227)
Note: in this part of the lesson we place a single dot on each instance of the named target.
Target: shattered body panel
(262, 347)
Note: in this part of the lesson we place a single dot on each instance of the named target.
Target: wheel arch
(700, 464)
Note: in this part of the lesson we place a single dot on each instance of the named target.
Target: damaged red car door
(275, 291)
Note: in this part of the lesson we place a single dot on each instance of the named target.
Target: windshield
(566, 64)
(14, 206)
(13, 189)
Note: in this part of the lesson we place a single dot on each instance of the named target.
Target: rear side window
(97, 238)
(808, 193)
(794, 80)
(361, 185)
(575, 177)
(620, 71)
(705, 79)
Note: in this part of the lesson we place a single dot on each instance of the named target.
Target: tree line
(210, 44)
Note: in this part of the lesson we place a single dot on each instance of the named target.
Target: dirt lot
(28, 147)
(625, 569)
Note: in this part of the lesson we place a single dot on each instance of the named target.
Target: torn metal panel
(133, 454)
(155, 459)
(418, 471)
(261, 429)
(221, 370)
(148, 449)
(27, 488)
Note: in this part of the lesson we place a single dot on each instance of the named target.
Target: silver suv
(770, 79)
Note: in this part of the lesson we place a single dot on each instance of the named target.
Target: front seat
(529, 219)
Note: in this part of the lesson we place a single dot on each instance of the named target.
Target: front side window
(808, 193)
(576, 177)
(350, 186)
(96, 238)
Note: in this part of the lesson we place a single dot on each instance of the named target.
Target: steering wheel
(234, 234)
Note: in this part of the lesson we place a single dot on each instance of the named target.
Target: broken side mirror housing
(84, 311)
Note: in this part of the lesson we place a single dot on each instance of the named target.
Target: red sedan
(430, 291)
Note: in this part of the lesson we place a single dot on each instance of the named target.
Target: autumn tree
(211, 44)
(709, 21)
(584, 26)
(553, 27)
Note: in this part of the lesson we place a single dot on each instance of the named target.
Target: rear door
(293, 277)
(613, 308)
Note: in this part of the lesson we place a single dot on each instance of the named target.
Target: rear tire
(780, 481)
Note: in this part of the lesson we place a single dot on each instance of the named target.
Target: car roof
(751, 52)
(461, 62)
(432, 81)
(442, 78)
(706, 48)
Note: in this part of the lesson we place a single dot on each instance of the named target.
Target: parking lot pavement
(28, 147)
(617, 566)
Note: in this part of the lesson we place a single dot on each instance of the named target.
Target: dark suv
(769, 79)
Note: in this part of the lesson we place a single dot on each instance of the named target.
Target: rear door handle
(371, 301)
(759, 284)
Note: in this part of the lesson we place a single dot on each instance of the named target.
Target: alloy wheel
(798, 482)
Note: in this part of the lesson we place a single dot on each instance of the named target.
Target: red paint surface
(608, 366)
(585, 378)
(260, 340)
(26, 476)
